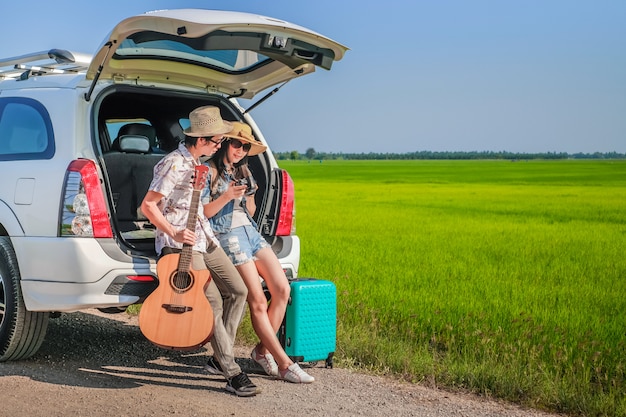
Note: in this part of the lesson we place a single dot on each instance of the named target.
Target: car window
(25, 130)
(226, 60)
(184, 123)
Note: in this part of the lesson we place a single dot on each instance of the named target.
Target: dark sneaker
(213, 367)
(242, 386)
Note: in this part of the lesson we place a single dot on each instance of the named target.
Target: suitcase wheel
(329, 360)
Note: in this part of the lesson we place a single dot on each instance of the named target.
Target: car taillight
(141, 278)
(84, 212)
(287, 214)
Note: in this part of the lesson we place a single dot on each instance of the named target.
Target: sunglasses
(238, 144)
(217, 142)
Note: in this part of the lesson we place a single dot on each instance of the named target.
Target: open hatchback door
(232, 53)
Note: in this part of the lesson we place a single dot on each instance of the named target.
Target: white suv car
(80, 135)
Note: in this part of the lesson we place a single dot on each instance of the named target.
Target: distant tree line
(312, 154)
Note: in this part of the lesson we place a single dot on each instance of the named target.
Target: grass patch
(503, 278)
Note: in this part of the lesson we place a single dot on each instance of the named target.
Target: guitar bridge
(177, 309)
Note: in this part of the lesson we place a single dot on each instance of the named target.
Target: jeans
(227, 295)
(242, 243)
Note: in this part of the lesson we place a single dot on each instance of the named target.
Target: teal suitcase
(309, 330)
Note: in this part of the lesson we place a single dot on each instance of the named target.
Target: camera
(245, 178)
(244, 181)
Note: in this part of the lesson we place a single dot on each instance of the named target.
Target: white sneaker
(296, 375)
(267, 362)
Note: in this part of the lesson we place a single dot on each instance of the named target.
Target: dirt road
(98, 365)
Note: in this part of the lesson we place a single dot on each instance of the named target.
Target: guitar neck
(184, 263)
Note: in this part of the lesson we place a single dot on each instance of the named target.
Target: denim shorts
(242, 243)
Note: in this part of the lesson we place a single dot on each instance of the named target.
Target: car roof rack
(53, 61)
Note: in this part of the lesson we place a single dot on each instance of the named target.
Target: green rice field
(504, 278)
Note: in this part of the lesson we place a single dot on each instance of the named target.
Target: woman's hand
(235, 191)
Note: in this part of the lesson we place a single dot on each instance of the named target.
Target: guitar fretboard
(184, 263)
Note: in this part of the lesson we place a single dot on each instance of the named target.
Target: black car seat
(130, 165)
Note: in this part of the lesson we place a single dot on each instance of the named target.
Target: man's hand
(185, 236)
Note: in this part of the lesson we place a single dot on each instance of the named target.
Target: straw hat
(243, 132)
(206, 122)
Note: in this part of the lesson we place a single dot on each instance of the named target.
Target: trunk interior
(159, 116)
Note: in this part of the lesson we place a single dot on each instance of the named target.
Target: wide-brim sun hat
(207, 121)
(243, 132)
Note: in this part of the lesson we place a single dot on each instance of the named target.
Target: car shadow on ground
(92, 351)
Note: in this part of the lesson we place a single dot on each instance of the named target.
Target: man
(167, 206)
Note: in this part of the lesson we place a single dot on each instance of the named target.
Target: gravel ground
(93, 365)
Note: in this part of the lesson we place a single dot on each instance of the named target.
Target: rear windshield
(207, 51)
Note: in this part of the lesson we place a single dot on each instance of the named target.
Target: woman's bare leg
(272, 272)
(259, 316)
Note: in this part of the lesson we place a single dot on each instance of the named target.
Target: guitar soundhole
(181, 281)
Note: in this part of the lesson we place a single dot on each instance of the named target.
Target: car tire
(21, 331)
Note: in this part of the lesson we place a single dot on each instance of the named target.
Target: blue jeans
(242, 243)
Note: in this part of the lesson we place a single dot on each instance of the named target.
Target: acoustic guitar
(177, 314)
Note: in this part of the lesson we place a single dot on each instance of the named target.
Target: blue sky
(445, 75)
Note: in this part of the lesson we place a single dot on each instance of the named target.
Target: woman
(230, 208)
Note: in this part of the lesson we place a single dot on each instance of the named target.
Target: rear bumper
(287, 249)
(70, 274)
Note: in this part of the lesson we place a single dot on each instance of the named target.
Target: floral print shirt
(173, 178)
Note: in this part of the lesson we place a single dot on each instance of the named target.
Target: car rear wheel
(21, 331)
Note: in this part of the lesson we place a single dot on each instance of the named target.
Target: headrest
(132, 144)
(139, 129)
